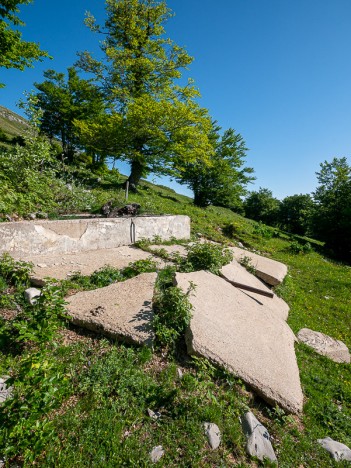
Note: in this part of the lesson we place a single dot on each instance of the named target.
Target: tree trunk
(137, 171)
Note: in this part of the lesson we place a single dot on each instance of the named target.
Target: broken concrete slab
(270, 271)
(171, 249)
(233, 330)
(121, 311)
(237, 273)
(62, 266)
(323, 344)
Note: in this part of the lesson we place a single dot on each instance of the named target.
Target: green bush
(297, 248)
(207, 256)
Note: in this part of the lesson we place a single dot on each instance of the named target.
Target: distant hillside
(11, 123)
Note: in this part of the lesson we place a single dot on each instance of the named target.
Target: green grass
(88, 400)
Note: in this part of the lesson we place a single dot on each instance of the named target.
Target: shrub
(207, 256)
(297, 248)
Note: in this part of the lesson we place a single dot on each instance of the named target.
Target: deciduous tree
(262, 206)
(14, 51)
(154, 122)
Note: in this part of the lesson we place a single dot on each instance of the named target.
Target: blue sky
(277, 71)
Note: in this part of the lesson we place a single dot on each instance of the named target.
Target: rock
(120, 311)
(31, 295)
(235, 272)
(325, 345)
(258, 439)
(156, 454)
(179, 373)
(270, 271)
(233, 330)
(41, 265)
(213, 434)
(127, 210)
(5, 391)
(154, 414)
(338, 451)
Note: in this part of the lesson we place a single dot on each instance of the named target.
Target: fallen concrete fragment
(258, 439)
(121, 311)
(338, 451)
(235, 272)
(270, 271)
(62, 266)
(326, 345)
(213, 434)
(233, 330)
(156, 454)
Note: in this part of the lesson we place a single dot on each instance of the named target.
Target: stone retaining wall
(39, 237)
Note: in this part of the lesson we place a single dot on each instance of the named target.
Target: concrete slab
(270, 271)
(171, 249)
(231, 329)
(325, 345)
(121, 311)
(42, 237)
(62, 266)
(235, 272)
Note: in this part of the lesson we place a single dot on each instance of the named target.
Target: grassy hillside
(11, 123)
(82, 400)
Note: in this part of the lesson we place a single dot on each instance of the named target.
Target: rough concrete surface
(42, 237)
(171, 249)
(235, 272)
(325, 345)
(61, 266)
(270, 271)
(231, 329)
(121, 310)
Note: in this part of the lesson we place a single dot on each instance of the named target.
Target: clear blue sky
(277, 71)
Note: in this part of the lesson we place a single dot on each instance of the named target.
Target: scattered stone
(338, 451)
(240, 245)
(213, 434)
(258, 439)
(154, 414)
(179, 373)
(120, 311)
(42, 265)
(236, 272)
(5, 391)
(233, 330)
(156, 453)
(270, 271)
(325, 345)
(31, 295)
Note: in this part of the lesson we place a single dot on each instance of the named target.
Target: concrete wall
(39, 237)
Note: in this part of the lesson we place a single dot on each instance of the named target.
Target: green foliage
(172, 314)
(331, 219)
(295, 213)
(246, 262)
(14, 51)
(207, 256)
(223, 181)
(63, 101)
(153, 123)
(262, 230)
(16, 273)
(262, 206)
(297, 248)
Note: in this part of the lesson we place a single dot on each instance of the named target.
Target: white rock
(258, 439)
(326, 345)
(156, 453)
(179, 373)
(338, 451)
(154, 414)
(31, 295)
(5, 391)
(213, 434)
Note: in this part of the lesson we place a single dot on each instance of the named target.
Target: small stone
(5, 391)
(31, 295)
(42, 265)
(258, 439)
(179, 373)
(154, 414)
(338, 451)
(325, 345)
(213, 434)
(240, 245)
(156, 453)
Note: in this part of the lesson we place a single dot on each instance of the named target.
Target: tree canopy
(262, 206)
(153, 122)
(223, 181)
(14, 51)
